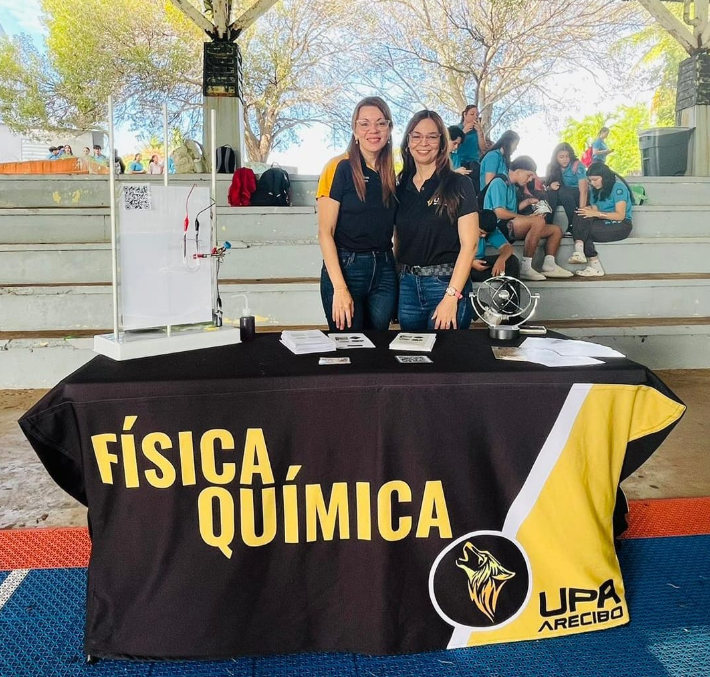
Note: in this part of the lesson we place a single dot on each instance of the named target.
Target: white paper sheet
(570, 347)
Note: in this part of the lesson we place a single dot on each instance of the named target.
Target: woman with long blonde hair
(356, 207)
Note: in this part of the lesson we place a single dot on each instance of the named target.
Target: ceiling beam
(671, 23)
(191, 12)
(251, 15)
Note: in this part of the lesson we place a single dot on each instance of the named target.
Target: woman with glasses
(436, 230)
(356, 206)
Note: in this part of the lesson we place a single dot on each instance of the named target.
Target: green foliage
(661, 55)
(140, 51)
(146, 52)
(624, 125)
(580, 133)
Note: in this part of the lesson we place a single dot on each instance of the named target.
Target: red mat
(71, 547)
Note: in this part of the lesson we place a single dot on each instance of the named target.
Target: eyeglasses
(378, 124)
(416, 138)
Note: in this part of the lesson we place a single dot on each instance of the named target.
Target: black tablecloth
(245, 500)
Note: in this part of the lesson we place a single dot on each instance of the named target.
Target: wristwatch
(452, 291)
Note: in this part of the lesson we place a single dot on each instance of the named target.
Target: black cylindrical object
(247, 328)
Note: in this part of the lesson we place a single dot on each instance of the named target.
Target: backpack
(272, 189)
(242, 187)
(638, 194)
(225, 160)
(489, 214)
(183, 160)
(482, 194)
(587, 157)
(199, 159)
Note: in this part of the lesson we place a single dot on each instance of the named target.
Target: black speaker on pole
(222, 71)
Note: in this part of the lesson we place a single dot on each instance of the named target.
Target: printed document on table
(547, 358)
(570, 347)
(343, 341)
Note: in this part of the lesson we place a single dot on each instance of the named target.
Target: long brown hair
(385, 159)
(448, 196)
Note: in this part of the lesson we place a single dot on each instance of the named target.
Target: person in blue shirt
(473, 144)
(503, 263)
(606, 219)
(456, 137)
(567, 176)
(599, 148)
(497, 159)
(136, 167)
(501, 196)
(53, 153)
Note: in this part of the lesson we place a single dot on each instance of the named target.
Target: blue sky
(21, 17)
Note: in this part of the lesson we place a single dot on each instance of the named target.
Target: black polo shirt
(424, 237)
(361, 226)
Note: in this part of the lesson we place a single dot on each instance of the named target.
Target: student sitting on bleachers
(567, 176)
(607, 219)
(501, 196)
(456, 137)
(497, 159)
(503, 263)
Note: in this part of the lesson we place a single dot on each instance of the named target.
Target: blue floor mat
(668, 590)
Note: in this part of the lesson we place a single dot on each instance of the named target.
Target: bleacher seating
(55, 271)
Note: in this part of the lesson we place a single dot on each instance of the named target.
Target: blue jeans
(372, 282)
(419, 296)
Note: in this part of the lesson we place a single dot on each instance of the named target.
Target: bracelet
(340, 289)
(452, 291)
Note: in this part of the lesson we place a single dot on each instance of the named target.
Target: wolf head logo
(486, 577)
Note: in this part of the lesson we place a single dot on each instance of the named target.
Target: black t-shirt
(424, 237)
(361, 226)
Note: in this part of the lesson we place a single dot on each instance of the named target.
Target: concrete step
(297, 302)
(51, 225)
(41, 359)
(82, 191)
(263, 225)
(675, 191)
(91, 262)
(662, 221)
(54, 225)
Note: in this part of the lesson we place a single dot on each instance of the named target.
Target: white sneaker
(557, 272)
(590, 272)
(531, 274)
(577, 257)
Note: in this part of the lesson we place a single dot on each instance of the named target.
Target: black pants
(475, 175)
(569, 199)
(598, 230)
(512, 268)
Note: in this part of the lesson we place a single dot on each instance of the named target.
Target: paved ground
(29, 498)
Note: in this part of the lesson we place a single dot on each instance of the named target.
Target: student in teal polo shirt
(568, 177)
(473, 144)
(607, 219)
(456, 137)
(497, 159)
(599, 148)
(501, 196)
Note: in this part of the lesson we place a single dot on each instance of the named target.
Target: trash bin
(664, 151)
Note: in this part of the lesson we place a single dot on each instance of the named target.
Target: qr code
(136, 197)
